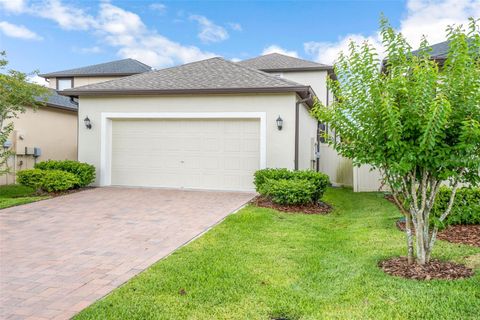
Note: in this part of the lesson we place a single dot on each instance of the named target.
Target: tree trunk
(408, 230)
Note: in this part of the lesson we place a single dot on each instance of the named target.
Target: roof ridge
(267, 74)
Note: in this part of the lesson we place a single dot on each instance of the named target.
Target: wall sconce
(279, 123)
(87, 122)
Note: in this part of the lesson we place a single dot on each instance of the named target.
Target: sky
(53, 35)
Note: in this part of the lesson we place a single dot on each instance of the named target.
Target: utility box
(37, 152)
(29, 151)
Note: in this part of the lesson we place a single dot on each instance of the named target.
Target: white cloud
(88, 50)
(158, 7)
(68, 17)
(235, 59)
(277, 49)
(14, 6)
(18, 31)
(37, 80)
(235, 26)
(209, 31)
(423, 17)
(118, 28)
(327, 52)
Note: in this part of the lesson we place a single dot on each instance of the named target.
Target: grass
(262, 264)
(14, 195)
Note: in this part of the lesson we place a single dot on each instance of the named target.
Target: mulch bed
(435, 269)
(465, 234)
(319, 208)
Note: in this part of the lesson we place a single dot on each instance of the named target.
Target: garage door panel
(191, 153)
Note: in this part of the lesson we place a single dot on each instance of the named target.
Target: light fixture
(279, 123)
(88, 124)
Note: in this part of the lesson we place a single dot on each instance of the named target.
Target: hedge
(466, 207)
(84, 171)
(290, 192)
(313, 183)
(47, 180)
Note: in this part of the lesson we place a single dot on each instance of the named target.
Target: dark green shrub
(58, 180)
(262, 176)
(84, 171)
(47, 180)
(291, 191)
(466, 207)
(31, 178)
(319, 180)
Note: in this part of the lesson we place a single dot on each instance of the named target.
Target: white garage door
(218, 154)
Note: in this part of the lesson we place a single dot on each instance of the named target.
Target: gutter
(297, 125)
(99, 92)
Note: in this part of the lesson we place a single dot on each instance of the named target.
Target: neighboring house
(205, 125)
(67, 79)
(50, 132)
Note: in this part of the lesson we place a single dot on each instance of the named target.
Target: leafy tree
(16, 93)
(415, 119)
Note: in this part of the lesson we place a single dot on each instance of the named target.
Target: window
(64, 83)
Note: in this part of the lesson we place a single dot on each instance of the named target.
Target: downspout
(297, 124)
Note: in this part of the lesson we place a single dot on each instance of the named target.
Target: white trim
(106, 132)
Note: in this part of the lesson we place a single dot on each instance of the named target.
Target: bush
(57, 180)
(319, 180)
(290, 192)
(47, 180)
(466, 207)
(261, 177)
(31, 178)
(84, 171)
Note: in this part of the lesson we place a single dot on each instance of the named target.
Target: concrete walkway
(60, 255)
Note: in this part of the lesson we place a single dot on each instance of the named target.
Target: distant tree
(414, 119)
(16, 93)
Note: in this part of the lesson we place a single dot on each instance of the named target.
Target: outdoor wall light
(88, 124)
(279, 123)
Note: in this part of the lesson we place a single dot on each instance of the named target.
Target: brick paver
(59, 255)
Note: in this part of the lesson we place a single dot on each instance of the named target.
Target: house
(210, 125)
(205, 125)
(50, 132)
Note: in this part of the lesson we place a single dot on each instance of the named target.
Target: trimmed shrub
(85, 172)
(262, 176)
(47, 180)
(31, 178)
(58, 180)
(466, 207)
(319, 180)
(290, 192)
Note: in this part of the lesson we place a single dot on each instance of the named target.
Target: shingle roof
(124, 67)
(439, 50)
(279, 62)
(214, 75)
(57, 101)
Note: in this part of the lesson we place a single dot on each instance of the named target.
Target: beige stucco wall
(316, 79)
(279, 144)
(81, 81)
(307, 139)
(51, 129)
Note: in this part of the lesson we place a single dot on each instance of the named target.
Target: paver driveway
(60, 255)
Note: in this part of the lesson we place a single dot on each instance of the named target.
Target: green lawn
(14, 195)
(262, 264)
